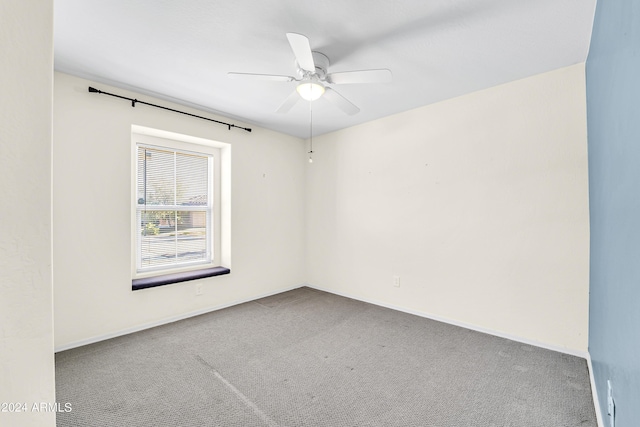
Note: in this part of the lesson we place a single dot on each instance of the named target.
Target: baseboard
(594, 392)
(565, 350)
(167, 320)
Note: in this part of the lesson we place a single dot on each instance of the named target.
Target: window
(177, 210)
(174, 209)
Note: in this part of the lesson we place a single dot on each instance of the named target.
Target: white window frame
(218, 241)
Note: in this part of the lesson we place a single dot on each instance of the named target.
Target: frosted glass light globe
(310, 90)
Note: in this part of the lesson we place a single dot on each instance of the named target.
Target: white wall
(91, 215)
(26, 331)
(478, 203)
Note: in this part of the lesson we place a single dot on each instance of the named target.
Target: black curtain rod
(134, 101)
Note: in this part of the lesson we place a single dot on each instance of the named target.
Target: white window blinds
(174, 208)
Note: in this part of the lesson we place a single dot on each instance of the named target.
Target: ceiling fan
(313, 79)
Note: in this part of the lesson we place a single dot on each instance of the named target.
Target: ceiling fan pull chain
(310, 132)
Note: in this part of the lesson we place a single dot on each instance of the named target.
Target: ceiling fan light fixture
(310, 90)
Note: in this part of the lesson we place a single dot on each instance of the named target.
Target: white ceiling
(436, 49)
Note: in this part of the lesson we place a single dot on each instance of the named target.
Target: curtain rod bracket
(134, 101)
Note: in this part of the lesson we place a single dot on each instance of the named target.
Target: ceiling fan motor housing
(321, 61)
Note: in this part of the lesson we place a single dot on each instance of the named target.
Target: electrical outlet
(396, 281)
(198, 289)
(611, 405)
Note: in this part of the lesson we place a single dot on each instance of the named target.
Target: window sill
(167, 279)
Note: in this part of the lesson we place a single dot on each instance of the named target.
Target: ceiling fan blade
(252, 76)
(364, 76)
(289, 102)
(340, 101)
(302, 51)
